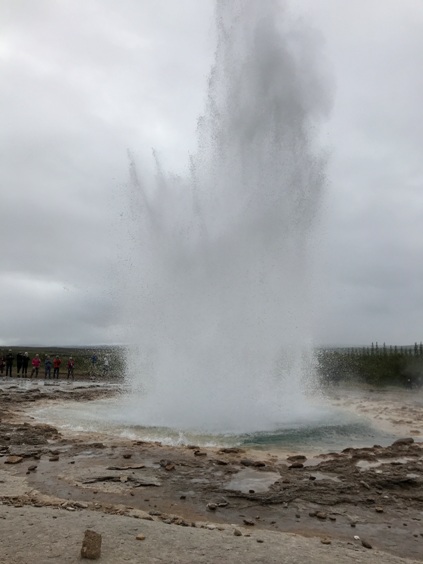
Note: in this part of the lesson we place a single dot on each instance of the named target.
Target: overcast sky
(83, 81)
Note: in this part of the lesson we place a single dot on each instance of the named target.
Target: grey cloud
(84, 81)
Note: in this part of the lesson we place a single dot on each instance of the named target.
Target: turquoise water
(325, 429)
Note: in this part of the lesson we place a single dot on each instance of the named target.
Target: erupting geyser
(218, 294)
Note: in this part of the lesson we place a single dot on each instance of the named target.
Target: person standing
(56, 366)
(94, 359)
(25, 362)
(106, 366)
(2, 363)
(9, 363)
(35, 365)
(47, 367)
(71, 365)
(19, 362)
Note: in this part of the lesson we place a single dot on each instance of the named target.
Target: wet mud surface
(373, 493)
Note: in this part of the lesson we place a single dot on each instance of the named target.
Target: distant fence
(374, 364)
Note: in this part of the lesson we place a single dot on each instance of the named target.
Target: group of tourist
(22, 365)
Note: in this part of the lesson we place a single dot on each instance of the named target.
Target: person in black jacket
(19, 362)
(25, 362)
(9, 363)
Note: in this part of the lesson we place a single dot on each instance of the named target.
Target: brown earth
(189, 501)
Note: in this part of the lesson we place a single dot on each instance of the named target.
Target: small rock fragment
(321, 515)
(332, 517)
(366, 544)
(91, 545)
(249, 522)
(140, 537)
(237, 533)
(325, 541)
(127, 455)
(212, 506)
(379, 509)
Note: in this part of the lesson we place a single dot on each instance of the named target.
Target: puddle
(366, 465)
(321, 476)
(250, 479)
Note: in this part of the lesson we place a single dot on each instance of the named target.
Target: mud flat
(195, 504)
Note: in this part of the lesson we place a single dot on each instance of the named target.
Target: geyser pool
(327, 428)
(217, 279)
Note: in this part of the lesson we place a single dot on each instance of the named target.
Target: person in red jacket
(71, 364)
(35, 365)
(56, 365)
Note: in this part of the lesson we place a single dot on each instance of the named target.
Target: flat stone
(140, 537)
(13, 459)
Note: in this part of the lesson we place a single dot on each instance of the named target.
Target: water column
(217, 298)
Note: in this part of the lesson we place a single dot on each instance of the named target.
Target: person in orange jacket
(56, 365)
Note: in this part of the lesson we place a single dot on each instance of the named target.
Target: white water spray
(217, 299)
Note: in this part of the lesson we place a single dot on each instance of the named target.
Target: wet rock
(296, 465)
(403, 442)
(13, 459)
(366, 544)
(259, 464)
(91, 545)
(247, 462)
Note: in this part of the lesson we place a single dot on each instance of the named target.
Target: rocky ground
(155, 503)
